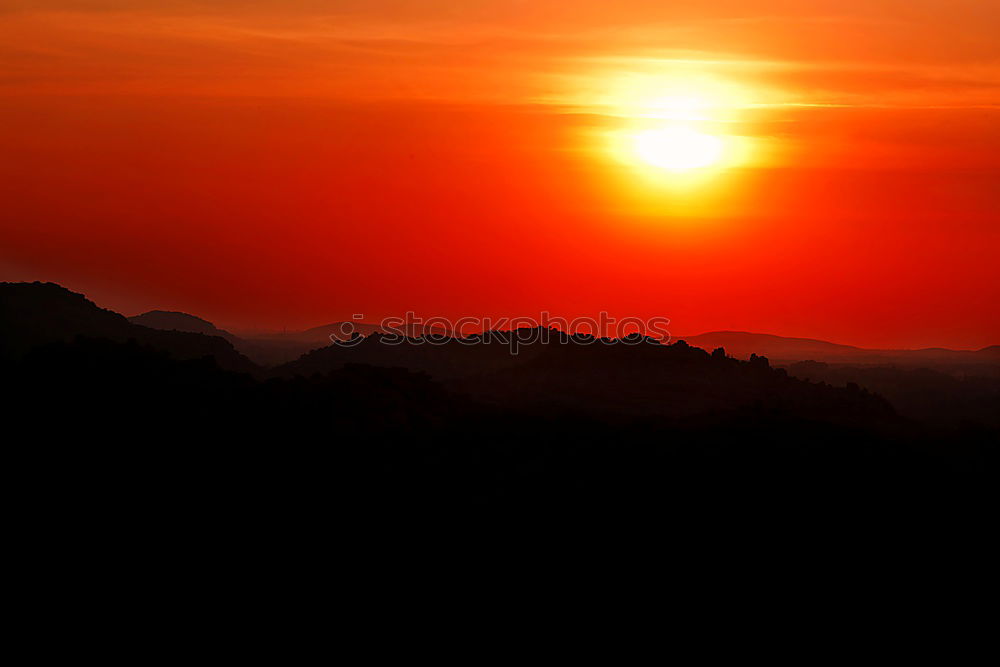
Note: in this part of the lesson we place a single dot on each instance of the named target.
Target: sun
(677, 134)
(678, 148)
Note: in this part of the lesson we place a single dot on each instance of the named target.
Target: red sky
(289, 163)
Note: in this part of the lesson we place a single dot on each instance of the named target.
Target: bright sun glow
(676, 131)
(678, 107)
(677, 148)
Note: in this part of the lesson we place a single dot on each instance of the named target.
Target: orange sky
(288, 163)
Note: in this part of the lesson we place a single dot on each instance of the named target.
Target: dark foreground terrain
(122, 425)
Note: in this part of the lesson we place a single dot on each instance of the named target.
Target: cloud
(849, 52)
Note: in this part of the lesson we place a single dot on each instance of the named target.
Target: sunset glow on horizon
(824, 169)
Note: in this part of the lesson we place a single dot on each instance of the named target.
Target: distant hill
(741, 344)
(325, 334)
(613, 378)
(34, 314)
(780, 349)
(921, 394)
(274, 349)
(168, 320)
(266, 351)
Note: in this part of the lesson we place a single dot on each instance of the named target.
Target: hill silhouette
(576, 373)
(136, 423)
(323, 335)
(782, 350)
(275, 349)
(263, 351)
(921, 394)
(135, 433)
(168, 320)
(35, 314)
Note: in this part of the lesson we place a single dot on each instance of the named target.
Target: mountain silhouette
(35, 314)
